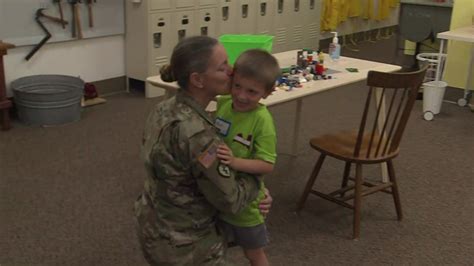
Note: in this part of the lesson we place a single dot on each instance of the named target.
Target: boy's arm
(251, 166)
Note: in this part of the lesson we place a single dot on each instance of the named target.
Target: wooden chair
(376, 141)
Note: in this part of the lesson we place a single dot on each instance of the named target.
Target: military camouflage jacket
(186, 184)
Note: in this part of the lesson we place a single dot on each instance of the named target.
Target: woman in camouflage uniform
(186, 185)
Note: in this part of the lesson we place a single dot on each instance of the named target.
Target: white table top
(288, 58)
(465, 34)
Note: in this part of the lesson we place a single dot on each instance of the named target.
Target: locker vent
(298, 33)
(161, 60)
(280, 36)
(313, 30)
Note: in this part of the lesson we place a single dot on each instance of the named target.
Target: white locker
(282, 13)
(184, 25)
(297, 27)
(247, 18)
(227, 15)
(161, 4)
(203, 3)
(207, 22)
(312, 18)
(180, 4)
(265, 17)
(160, 41)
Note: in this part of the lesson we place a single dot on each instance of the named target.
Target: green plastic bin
(236, 44)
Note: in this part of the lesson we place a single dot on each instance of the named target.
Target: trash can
(48, 99)
(432, 60)
(433, 94)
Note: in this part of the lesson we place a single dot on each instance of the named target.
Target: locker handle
(185, 21)
(161, 24)
(181, 34)
(157, 39)
(263, 9)
(311, 4)
(297, 5)
(207, 18)
(225, 13)
(245, 11)
(204, 31)
(280, 6)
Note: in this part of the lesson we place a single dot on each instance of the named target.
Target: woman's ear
(196, 80)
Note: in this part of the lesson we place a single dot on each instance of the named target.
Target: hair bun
(167, 73)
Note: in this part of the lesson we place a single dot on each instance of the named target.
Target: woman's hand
(224, 153)
(266, 203)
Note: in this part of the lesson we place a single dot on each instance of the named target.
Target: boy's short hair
(259, 65)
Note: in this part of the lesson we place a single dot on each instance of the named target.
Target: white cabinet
(153, 27)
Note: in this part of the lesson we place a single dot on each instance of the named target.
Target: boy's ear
(196, 80)
(267, 93)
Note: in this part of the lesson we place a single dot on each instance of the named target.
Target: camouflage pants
(162, 249)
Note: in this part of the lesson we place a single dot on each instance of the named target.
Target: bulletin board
(18, 25)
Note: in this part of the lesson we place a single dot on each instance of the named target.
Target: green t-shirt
(250, 135)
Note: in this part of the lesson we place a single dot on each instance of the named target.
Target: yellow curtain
(394, 3)
(355, 8)
(330, 15)
(344, 8)
(368, 9)
(383, 9)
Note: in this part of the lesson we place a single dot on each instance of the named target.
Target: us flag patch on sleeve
(208, 156)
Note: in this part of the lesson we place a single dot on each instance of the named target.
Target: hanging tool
(76, 24)
(61, 15)
(89, 8)
(39, 14)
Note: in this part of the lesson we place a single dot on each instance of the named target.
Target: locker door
(247, 16)
(207, 22)
(160, 48)
(297, 28)
(202, 3)
(184, 25)
(282, 12)
(227, 14)
(312, 20)
(160, 4)
(161, 41)
(265, 17)
(184, 4)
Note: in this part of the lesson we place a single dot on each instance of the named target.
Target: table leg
(438, 67)
(294, 144)
(468, 89)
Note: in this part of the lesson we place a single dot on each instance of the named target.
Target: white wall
(91, 59)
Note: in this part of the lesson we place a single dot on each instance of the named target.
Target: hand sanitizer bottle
(334, 47)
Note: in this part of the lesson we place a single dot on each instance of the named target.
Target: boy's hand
(224, 153)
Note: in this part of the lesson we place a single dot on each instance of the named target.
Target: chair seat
(341, 145)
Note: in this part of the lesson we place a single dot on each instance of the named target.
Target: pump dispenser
(334, 47)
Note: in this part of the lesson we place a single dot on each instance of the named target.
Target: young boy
(248, 130)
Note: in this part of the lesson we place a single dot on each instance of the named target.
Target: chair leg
(345, 176)
(357, 201)
(311, 180)
(395, 194)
